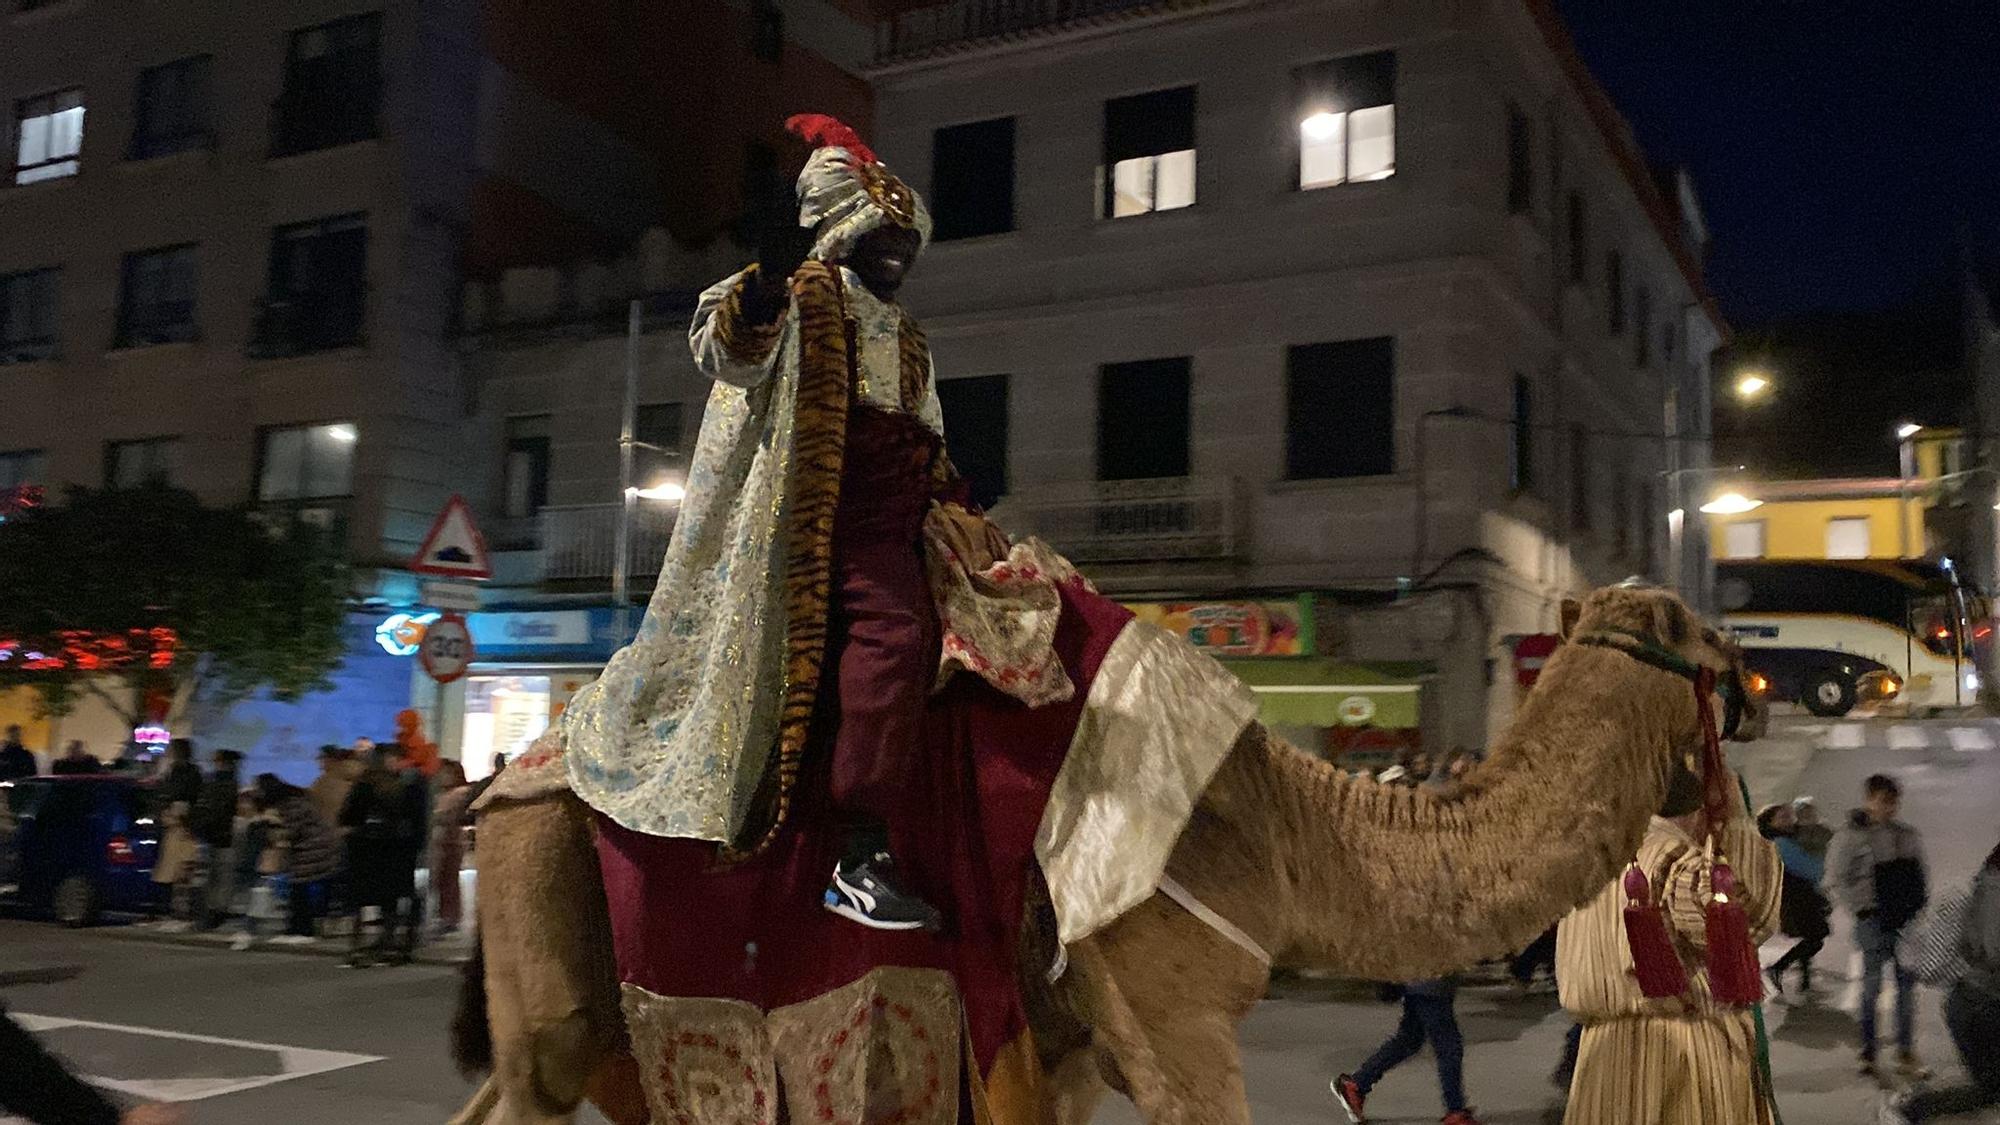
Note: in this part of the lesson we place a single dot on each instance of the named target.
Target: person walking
(35, 1085)
(75, 761)
(213, 822)
(449, 816)
(1429, 1015)
(180, 852)
(1804, 911)
(1812, 835)
(312, 854)
(16, 760)
(1875, 868)
(1971, 1007)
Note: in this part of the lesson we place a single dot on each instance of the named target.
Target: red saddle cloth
(742, 990)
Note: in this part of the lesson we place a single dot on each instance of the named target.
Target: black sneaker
(867, 892)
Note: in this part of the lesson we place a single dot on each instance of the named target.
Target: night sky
(1838, 147)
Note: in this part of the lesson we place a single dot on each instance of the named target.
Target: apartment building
(1374, 308)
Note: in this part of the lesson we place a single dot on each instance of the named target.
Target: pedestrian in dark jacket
(1804, 910)
(1429, 1014)
(312, 852)
(1971, 1011)
(36, 1086)
(16, 760)
(383, 826)
(214, 824)
(1875, 868)
(75, 761)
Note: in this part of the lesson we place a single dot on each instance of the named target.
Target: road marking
(1905, 736)
(294, 1062)
(1970, 740)
(1846, 736)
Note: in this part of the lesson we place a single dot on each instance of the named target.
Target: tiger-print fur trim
(742, 341)
(819, 446)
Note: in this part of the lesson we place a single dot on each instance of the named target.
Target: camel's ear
(1672, 624)
(1571, 610)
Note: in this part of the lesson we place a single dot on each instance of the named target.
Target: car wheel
(1829, 694)
(75, 901)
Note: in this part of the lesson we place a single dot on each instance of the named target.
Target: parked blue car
(78, 846)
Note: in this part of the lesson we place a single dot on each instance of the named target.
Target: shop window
(1847, 537)
(48, 136)
(1346, 113)
(1149, 151)
(1520, 162)
(1142, 419)
(135, 464)
(156, 297)
(1743, 539)
(972, 179)
(333, 86)
(306, 462)
(171, 109)
(28, 315)
(525, 484)
(503, 715)
(975, 433)
(1340, 409)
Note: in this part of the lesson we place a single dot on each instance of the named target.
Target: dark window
(1614, 291)
(130, 464)
(972, 179)
(48, 136)
(1579, 478)
(306, 462)
(317, 293)
(1649, 527)
(766, 196)
(767, 30)
(1346, 113)
(28, 315)
(1642, 323)
(1621, 512)
(172, 109)
(1148, 153)
(156, 297)
(1340, 409)
(1522, 438)
(1579, 239)
(975, 433)
(658, 425)
(333, 86)
(23, 468)
(1520, 162)
(525, 487)
(1142, 419)
(1669, 335)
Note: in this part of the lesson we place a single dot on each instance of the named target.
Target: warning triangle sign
(454, 548)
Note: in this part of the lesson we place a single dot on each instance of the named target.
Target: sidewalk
(451, 949)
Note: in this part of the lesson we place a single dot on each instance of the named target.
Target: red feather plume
(824, 130)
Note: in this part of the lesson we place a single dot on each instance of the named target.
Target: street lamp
(1752, 385)
(671, 491)
(1731, 504)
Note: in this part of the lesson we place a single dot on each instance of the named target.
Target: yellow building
(1841, 517)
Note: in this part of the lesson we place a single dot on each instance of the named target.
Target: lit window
(307, 462)
(49, 132)
(1347, 120)
(1743, 539)
(1149, 150)
(1847, 537)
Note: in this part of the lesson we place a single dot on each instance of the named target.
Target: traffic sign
(454, 548)
(456, 597)
(447, 648)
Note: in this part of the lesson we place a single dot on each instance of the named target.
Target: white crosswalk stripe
(1847, 736)
(1970, 740)
(1908, 736)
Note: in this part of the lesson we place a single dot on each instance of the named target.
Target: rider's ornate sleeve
(728, 345)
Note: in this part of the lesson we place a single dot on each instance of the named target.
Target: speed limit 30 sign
(447, 648)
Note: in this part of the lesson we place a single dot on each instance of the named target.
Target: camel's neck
(1395, 883)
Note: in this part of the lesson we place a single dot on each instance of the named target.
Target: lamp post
(1906, 458)
(629, 494)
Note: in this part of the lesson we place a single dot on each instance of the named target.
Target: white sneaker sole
(853, 915)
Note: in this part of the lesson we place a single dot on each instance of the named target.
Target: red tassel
(1654, 961)
(824, 130)
(1732, 959)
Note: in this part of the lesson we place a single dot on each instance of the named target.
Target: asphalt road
(260, 1037)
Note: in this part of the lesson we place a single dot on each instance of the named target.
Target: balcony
(1164, 520)
(579, 541)
(963, 23)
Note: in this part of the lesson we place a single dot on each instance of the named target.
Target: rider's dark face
(882, 258)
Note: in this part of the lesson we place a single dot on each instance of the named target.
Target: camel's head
(1651, 621)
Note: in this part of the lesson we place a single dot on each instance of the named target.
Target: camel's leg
(1073, 1087)
(1166, 1010)
(552, 991)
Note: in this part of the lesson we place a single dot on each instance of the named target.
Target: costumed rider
(800, 543)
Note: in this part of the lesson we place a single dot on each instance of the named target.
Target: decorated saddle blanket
(742, 992)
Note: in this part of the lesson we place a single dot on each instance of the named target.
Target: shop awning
(1333, 693)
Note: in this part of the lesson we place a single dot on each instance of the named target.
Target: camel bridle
(1648, 650)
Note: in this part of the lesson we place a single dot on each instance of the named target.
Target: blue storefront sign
(554, 636)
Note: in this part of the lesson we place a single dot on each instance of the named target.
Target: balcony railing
(961, 22)
(579, 541)
(1169, 519)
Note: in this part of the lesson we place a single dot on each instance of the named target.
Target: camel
(1311, 867)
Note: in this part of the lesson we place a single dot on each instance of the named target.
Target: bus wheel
(1829, 694)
